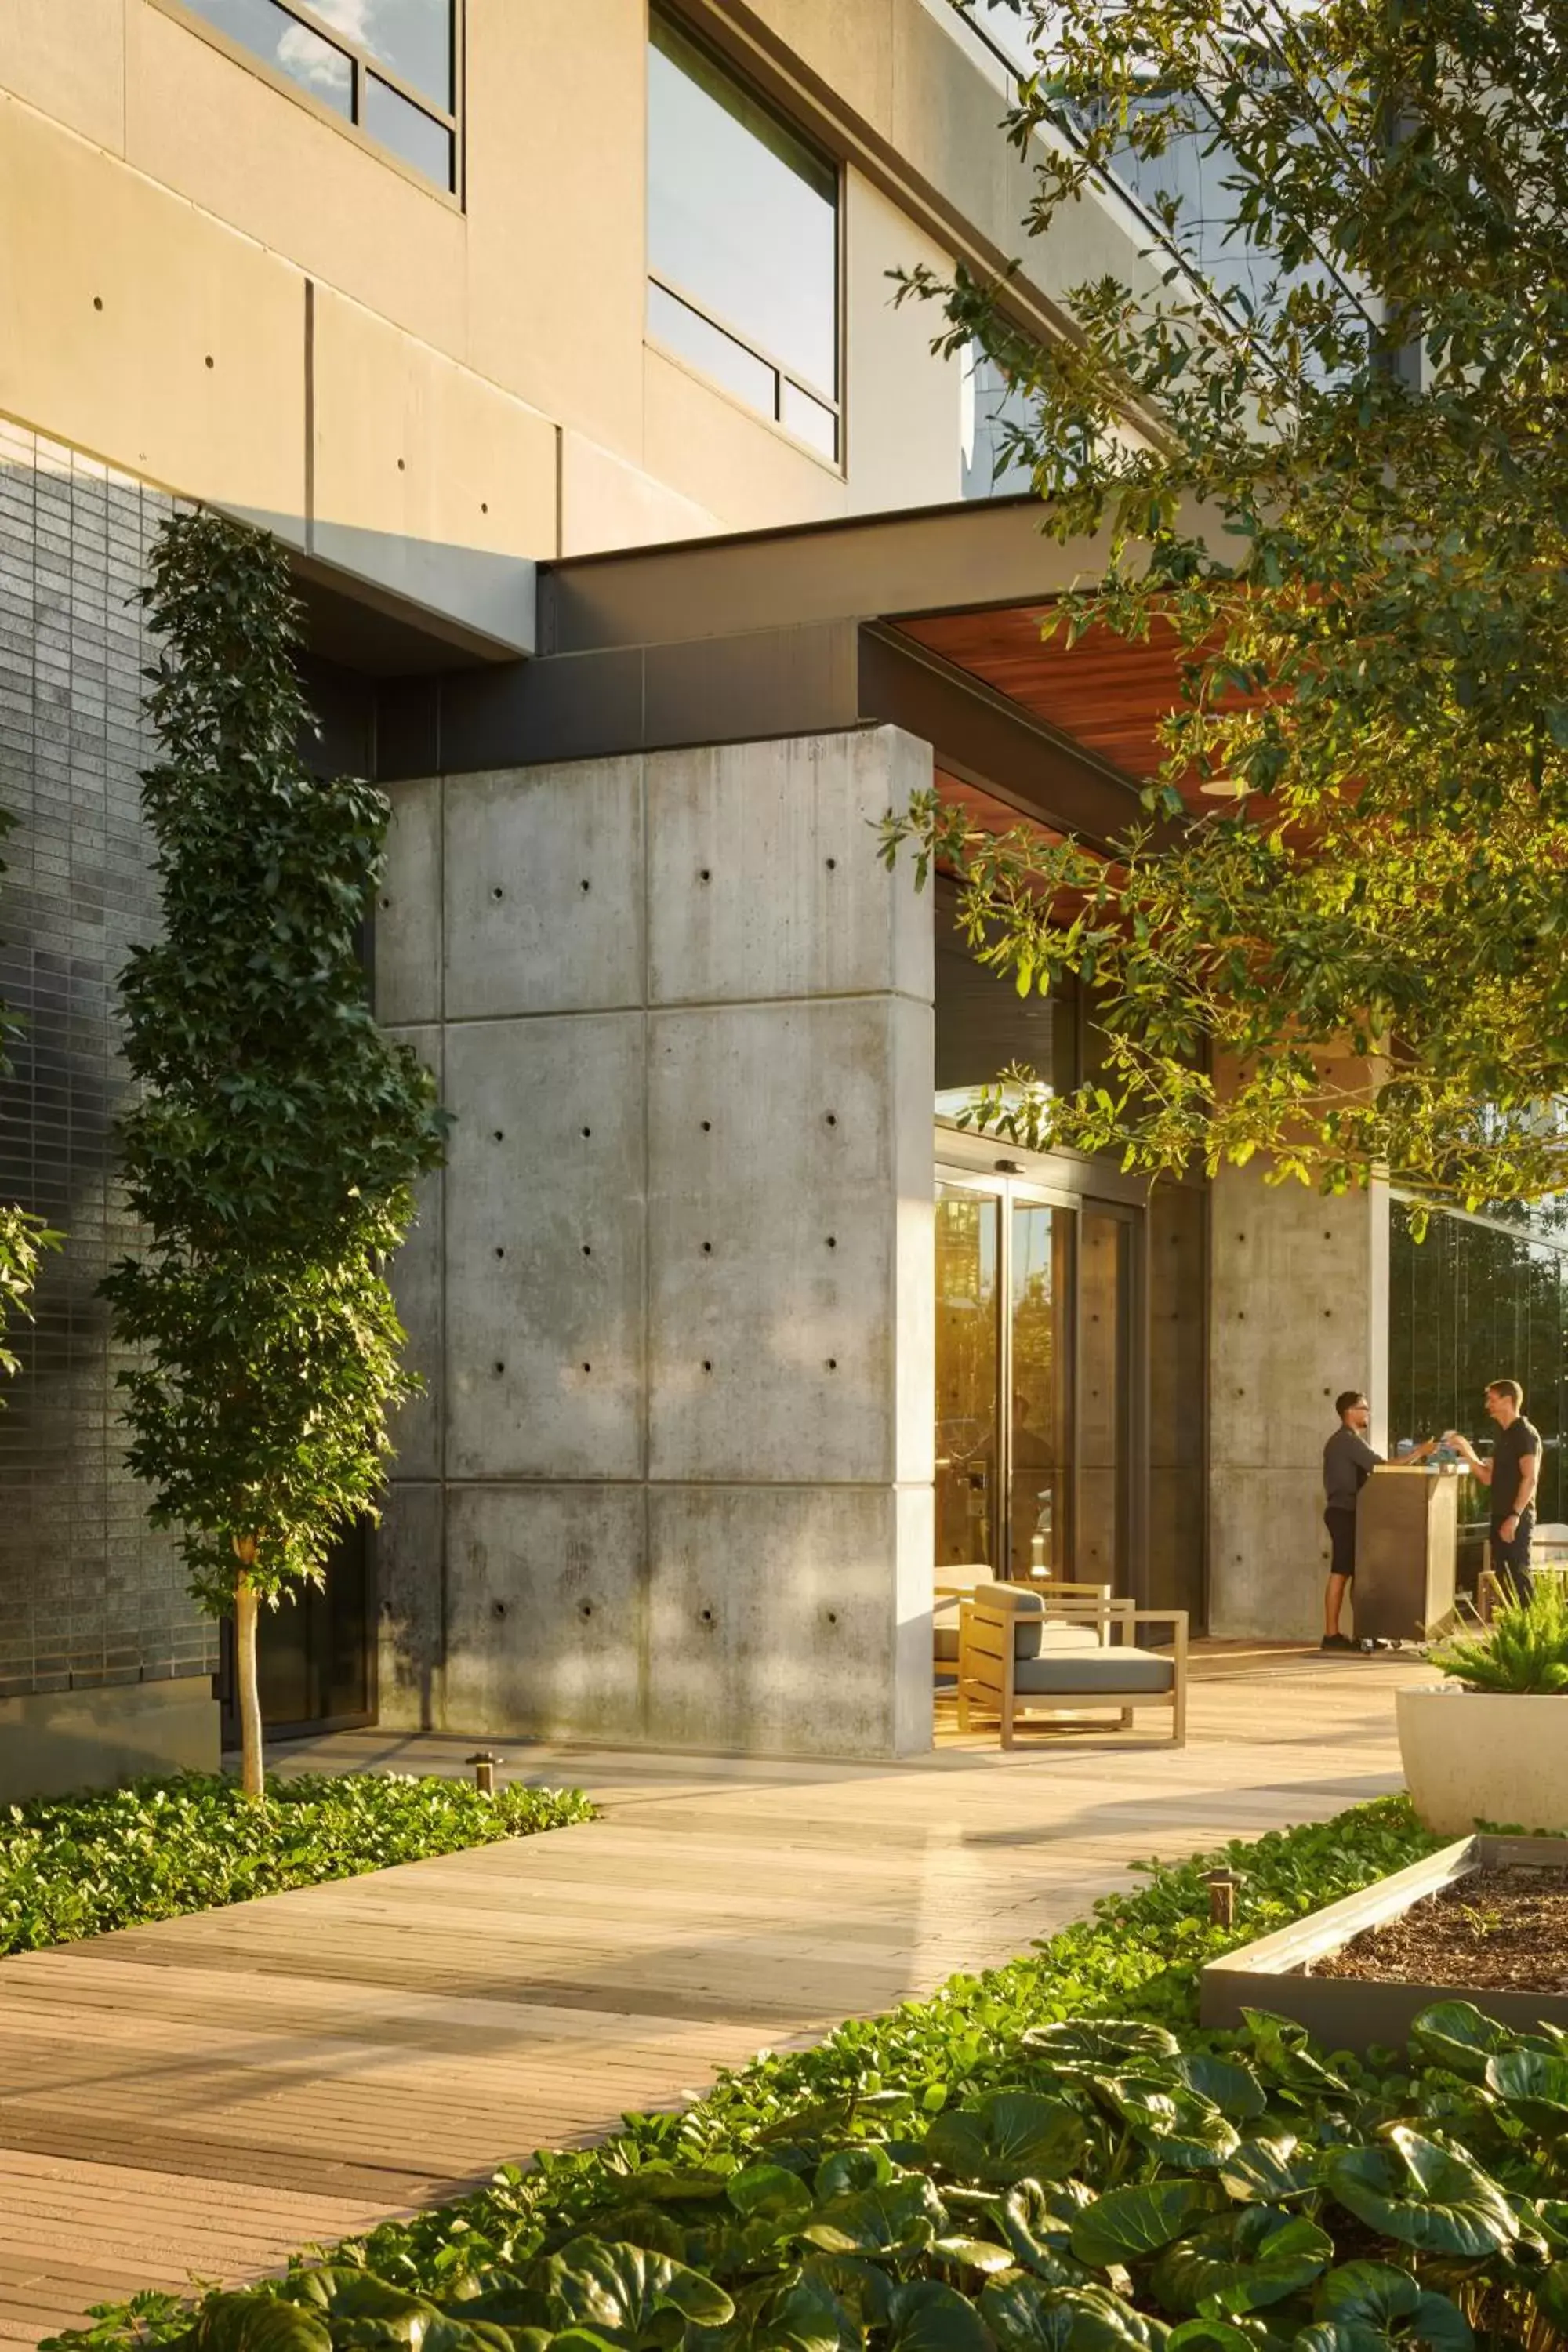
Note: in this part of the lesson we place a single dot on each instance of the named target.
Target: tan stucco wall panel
(714, 453)
(892, 372)
(224, 136)
(130, 381)
(605, 503)
(78, 78)
(409, 445)
(556, 207)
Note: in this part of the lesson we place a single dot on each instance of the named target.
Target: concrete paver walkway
(200, 2097)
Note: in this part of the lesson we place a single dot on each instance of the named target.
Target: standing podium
(1406, 1547)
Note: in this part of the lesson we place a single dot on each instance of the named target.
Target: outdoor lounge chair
(1025, 1651)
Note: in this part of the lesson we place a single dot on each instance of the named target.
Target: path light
(1222, 1886)
(484, 1765)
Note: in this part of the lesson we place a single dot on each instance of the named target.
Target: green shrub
(1047, 2157)
(1525, 1649)
(74, 1866)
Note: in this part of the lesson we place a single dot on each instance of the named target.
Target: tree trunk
(252, 1770)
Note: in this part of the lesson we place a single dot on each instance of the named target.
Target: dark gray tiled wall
(89, 1594)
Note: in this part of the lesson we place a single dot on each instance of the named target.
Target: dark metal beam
(933, 558)
(981, 737)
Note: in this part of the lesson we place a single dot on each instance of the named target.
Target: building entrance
(1036, 1428)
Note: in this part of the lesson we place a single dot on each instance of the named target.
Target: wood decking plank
(199, 2096)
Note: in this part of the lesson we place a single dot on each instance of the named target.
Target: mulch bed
(1494, 1930)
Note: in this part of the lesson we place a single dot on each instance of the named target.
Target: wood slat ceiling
(1107, 694)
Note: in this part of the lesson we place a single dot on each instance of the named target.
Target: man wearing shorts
(1348, 1463)
(1512, 1475)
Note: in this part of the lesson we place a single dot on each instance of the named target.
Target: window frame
(361, 62)
(835, 403)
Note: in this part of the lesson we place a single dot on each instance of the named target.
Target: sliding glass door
(1034, 1386)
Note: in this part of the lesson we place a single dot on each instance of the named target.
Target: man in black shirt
(1511, 1474)
(1348, 1463)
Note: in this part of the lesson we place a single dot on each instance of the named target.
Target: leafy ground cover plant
(1049, 2158)
(1525, 1649)
(75, 1867)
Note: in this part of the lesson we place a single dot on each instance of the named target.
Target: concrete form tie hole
(98, 302)
(707, 1616)
(833, 1241)
(587, 1131)
(501, 1249)
(706, 1249)
(707, 1127)
(384, 905)
(497, 892)
(497, 1609)
(707, 1363)
(501, 1367)
(705, 875)
(587, 1367)
(833, 1119)
(832, 1364)
(586, 1608)
(500, 1134)
(586, 884)
(587, 1250)
(211, 361)
(832, 864)
(833, 1616)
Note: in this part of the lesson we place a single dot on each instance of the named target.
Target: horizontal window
(742, 241)
(389, 66)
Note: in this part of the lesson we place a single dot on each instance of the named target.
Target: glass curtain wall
(1475, 1302)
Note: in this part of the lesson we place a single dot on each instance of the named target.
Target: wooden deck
(196, 2098)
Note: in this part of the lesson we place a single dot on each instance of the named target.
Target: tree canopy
(1323, 446)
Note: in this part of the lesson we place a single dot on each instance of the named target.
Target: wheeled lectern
(1407, 1547)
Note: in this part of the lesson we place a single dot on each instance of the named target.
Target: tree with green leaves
(1324, 458)
(276, 1133)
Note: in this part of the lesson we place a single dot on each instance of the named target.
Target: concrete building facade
(444, 293)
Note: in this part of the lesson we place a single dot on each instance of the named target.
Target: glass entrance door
(1033, 1387)
(968, 1374)
(1040, 1481)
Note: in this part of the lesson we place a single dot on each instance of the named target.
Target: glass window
(408, 130)
(329, 47)
(742, 233)
(413, 37)
(987, 407)
(291, 48)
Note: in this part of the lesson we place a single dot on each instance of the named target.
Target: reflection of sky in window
(279, 40)
(413, 37)
(741, 215)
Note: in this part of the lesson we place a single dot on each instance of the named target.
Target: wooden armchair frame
(987, 1663)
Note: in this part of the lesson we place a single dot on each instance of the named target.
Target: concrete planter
(1276, 1974)
(1485, 1756)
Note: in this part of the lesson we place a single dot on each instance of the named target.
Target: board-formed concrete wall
(1298, 1311)
(671, 1481)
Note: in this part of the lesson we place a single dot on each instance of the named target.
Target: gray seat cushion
(1043, 1634)
(1084, 1672)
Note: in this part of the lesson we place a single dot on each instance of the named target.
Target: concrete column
(1298, 1311)
(673, 1482)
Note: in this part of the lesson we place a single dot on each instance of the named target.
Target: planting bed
(1499, 1929)
(1482, 1920)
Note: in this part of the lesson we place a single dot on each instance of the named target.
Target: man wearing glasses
(1348, 1463)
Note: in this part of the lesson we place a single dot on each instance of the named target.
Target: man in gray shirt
(1348, 1463)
